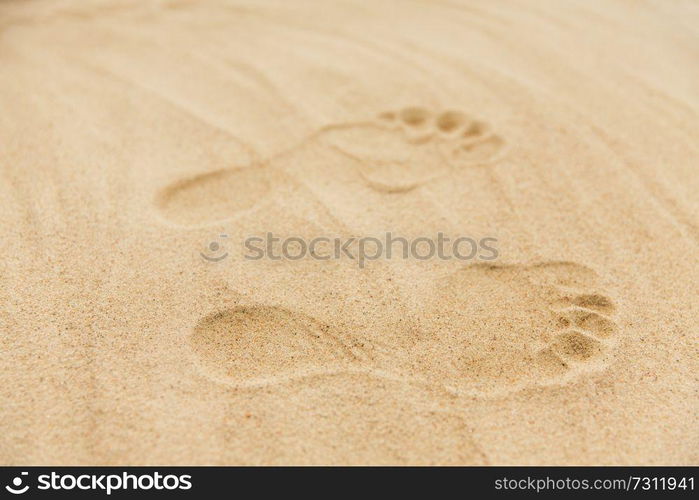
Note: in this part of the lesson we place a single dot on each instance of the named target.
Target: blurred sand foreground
(134, 134)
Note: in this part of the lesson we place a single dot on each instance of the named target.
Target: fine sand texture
(142, 141)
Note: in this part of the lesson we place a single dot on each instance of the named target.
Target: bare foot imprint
(260, 345)
(395, 152)
(490, 330)
(501, 328)
(213, 196)
(400, 150)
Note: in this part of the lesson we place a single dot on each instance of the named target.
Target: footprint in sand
(214, 196)
(253, 346)
(500, 328)
(394, 153)
(400, 150)
(488, 330)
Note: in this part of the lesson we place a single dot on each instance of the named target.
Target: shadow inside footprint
(254, 346)
(213, 196)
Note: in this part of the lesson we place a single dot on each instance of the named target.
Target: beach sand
(141, 142)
